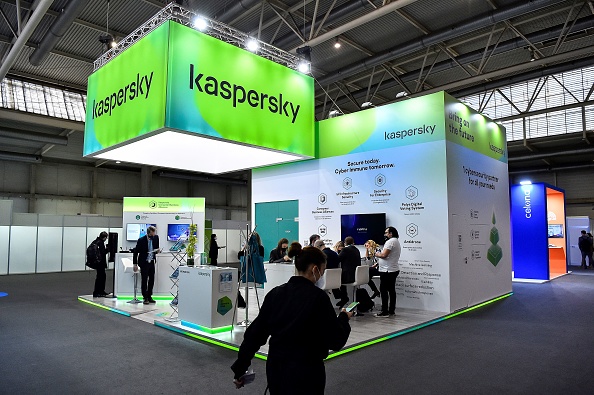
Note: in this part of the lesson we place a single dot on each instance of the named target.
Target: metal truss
(221, 31)
(554, 105)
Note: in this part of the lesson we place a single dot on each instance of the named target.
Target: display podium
(124, 276)
(206, 297)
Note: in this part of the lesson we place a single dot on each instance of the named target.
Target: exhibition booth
(539, 232)
(430, 166)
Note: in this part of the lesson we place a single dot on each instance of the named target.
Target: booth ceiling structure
(391, 50)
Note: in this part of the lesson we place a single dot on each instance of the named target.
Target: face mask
(386, 238)
(318, 278)
(215, 238)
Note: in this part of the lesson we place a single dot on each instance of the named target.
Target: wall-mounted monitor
(175, 231)
(136, 231)
(363, 227)
(555, 231)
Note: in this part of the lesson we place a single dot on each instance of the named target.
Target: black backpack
(365, 302)
(93, 255)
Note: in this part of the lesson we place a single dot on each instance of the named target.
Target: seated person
(279, 254)
(371, 247)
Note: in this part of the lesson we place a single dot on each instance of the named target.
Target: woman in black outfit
(279, 254)
(213, 253)
(302, 325)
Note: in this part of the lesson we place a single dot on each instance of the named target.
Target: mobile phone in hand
(248, 377)
(351, 307)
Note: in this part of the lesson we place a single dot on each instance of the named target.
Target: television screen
(363, 227)
(174, 231)
(556, 231)
(136, 231)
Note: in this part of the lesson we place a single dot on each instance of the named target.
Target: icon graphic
(347, 183)
(380, 180)
(137, 217)
(412, 230)
(152, 204)
(411, 192)
(177, 217)
(494, 253)
(322, 230)
(224, 305)
(322, 198)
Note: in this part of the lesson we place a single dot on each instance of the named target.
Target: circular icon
(137, 217)
(152, 204)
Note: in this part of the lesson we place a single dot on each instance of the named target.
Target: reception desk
(124, 279)
(206, 297)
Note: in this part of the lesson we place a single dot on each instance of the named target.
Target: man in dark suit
(144, 256)
(99, 291)
(349, 259)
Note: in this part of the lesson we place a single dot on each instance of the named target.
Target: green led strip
(204, 339)
(104, 307)
(130, 297)
(416, 327)
(220, 329)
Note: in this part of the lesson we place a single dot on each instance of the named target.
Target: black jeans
(99, 282)
(147, 274)
(388, 288)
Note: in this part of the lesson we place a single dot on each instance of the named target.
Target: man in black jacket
(99, 291)
(349, 259)
(144, 256)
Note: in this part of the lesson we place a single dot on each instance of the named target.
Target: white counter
(207, 296)
(277, 274)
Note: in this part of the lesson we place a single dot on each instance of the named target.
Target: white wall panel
(23, 247)
(74, 249)
(4, 243)
(49, 249)
(233, 245)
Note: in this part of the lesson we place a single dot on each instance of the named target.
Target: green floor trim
(104, 307)
(204, 339)
(414, 328)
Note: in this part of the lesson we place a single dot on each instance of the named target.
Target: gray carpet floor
(538, 341)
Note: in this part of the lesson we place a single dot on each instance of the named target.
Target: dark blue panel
(530, 250)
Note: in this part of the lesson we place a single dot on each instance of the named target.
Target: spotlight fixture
(106, 39)
(334, 113)
(118, 162)
(113, 44)
(200, 23)
(401, 94)
(304, 52)
(367, 104)
(532, 56)
(252, 45)
(525, 182)
(337, 43)
(304, 67)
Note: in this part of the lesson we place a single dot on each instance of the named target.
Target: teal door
(276, 220)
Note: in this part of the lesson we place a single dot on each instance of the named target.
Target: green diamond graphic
(494, 254)
(224, 305)
(494, 236)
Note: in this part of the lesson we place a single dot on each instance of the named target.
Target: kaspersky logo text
(240, 95)
(138, 88)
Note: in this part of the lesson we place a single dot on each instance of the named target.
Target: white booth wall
(38, 243)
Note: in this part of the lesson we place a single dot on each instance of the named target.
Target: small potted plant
(191, 244)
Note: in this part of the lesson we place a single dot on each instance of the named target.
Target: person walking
(302, 326)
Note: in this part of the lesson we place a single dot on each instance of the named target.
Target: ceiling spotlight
(304, 67)
(200, 23)
(252, 45)
(117, 161)
(334, 113)
(401, 94)
(525, 182)
(367, 104)
(113, 44)
(304, 52)
(337, 44)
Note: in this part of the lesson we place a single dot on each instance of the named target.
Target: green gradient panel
(472, 130)
(219, 90)
(164, 205)
(407, 122)
(126, 97)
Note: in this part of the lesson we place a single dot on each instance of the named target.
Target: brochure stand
(135, 299)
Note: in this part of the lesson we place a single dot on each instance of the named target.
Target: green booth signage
(179, 79)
